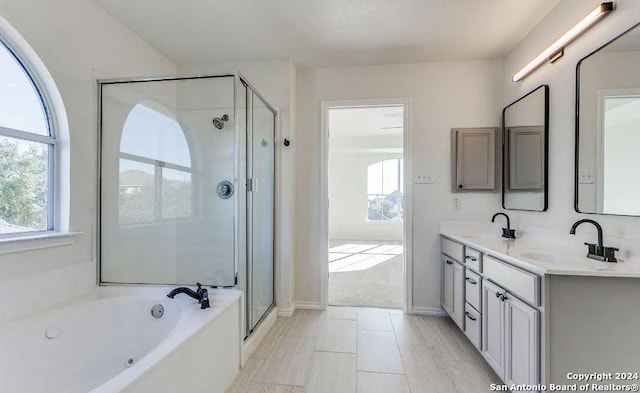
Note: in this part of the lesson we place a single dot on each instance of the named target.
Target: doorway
(366, 212)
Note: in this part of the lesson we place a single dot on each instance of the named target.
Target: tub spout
(201, 295)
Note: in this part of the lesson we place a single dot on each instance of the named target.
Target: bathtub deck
(347, 349)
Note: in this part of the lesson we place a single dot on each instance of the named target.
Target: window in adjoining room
(385, 191)
(27, 151)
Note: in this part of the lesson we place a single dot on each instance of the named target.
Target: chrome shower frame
(241, 229)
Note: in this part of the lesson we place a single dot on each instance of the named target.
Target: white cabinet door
(521, 343)
(447, 284)
(493, 327)
(458, 294)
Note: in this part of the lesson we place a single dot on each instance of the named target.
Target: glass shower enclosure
(187, 185)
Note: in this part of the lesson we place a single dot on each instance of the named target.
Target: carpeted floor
(365, 274)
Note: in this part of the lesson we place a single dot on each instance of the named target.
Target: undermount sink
(543, 257)
(483, 235)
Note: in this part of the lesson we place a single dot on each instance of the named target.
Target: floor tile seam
(327, 351)
(395, 339)
(380, 372)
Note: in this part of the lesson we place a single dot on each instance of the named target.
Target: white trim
(253, 341)
(407, 301)
(286, 312)
(598, 182)
(299, 305)
(27, 136)
(428, 311)
(35, 241)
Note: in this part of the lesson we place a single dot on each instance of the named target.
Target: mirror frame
(576, 183)
(546, 148)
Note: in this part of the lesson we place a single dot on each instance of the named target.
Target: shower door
(168, 181)
(261, 206)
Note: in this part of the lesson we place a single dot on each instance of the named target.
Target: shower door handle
(252, 184)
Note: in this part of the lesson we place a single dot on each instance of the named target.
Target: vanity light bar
(555, 50)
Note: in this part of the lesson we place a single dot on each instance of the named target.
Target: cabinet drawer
(517, 281)
(472, 258)
(472, 325)
(473, 288)
(453, 249)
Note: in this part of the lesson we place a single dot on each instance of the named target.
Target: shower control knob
(224, 189)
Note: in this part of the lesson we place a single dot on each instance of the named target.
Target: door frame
(407, 301)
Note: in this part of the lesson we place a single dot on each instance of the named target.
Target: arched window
(385, 190)
(155, 168)
(27, 151)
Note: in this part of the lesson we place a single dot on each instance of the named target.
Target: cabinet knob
(449, 262)
(460, 186)
(498, 294)
(503, 297)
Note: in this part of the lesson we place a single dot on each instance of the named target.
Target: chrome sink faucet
(596, 251)
(506, 232)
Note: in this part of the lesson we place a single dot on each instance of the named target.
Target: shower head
(218, 122)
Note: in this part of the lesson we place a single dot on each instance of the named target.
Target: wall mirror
(525, 135)
(607, 178)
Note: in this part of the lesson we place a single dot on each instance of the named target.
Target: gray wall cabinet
(474, 159)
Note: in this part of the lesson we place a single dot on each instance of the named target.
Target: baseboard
(299, 305)
(286, 312)
(429, 311)
(251, 344)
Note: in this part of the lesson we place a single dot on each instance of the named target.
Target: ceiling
(321, 33)
(369, 122)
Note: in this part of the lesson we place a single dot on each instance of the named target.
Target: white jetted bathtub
(109, 342)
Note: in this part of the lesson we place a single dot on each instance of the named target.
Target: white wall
(76, 41)
(276, 81)
(443, 96)
(561, 78)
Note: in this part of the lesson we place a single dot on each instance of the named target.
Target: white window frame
(400, 161)
(50, 140)
(158, 165)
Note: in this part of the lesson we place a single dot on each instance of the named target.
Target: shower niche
(187, 185)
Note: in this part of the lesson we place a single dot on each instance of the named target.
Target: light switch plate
(424, 177)
(456, 203)
(585, 177)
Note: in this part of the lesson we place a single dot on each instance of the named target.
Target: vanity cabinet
(453, 289)
(474, 159)
(497, 306)
(511, 339)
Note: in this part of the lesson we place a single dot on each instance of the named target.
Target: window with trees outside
(155, 168)
(385, 190)
(27, 151)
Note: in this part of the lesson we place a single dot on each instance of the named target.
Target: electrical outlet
(585, 177)
(456, 203)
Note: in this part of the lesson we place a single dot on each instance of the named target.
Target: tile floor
(364, 350)
(365, 273)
